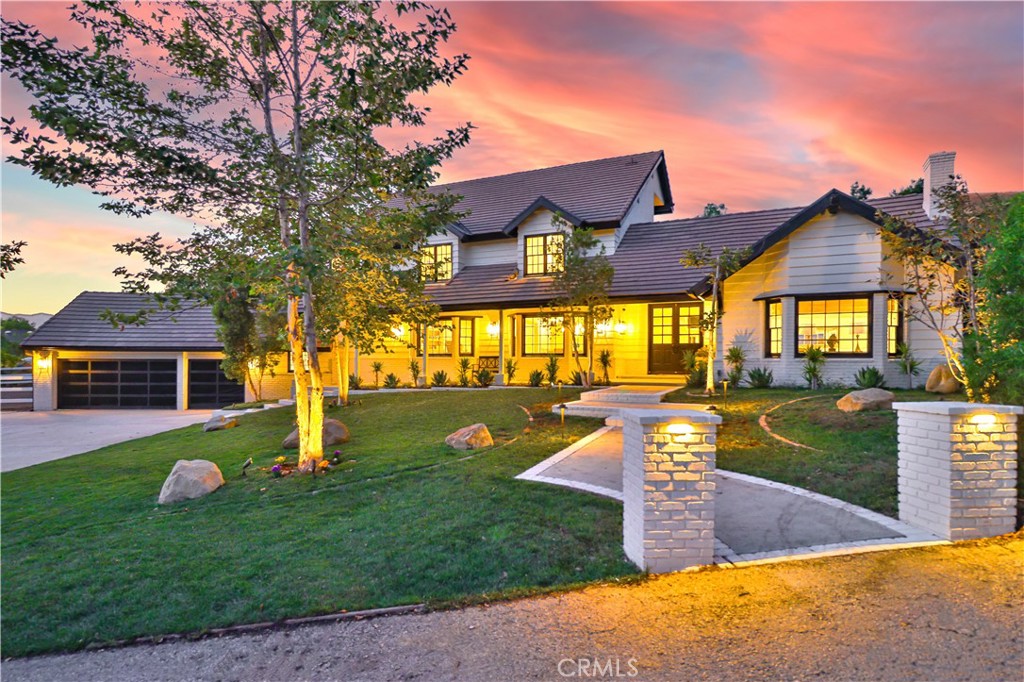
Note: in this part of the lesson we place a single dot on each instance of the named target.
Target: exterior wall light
(493, 328)
(44, 360)
(621, 328)
(398, 332)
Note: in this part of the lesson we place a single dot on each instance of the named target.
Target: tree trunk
(709, 385)
(342, 348)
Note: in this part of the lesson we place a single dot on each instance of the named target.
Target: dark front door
(117, 383)
(209, 388)
(674, 330)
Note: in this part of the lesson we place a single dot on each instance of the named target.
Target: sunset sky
(756, 106)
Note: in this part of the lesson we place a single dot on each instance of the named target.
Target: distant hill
(36, 319)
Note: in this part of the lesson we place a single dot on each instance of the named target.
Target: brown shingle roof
(78, 325)
(598, 193)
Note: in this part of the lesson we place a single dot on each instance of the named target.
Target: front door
(674, 330)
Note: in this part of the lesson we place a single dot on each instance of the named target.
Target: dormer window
(544, 253)
(436, 262)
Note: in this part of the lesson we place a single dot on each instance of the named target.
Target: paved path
(934, 614)
(28, 438)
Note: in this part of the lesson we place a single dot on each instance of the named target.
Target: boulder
(941, 381)
(868, 399)
(470, 438)
(334, 433)
(190, 479)
(220, 423)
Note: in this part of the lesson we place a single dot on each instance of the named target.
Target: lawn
(857, 455)
(89, 557)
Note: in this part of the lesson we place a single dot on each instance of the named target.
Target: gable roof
(595, 193)
(78, 325)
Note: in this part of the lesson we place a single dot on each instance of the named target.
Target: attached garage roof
(78, 326)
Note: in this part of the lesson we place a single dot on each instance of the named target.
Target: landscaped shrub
(484, 377)
(536, 377)
(391, 380)
(510, 370)
(377, 368)
(909, 365)
(869, 377)
(414, 370)
(694, 368)
(604, 360)
(354, 381)
(576, 379)
(760, 377)
(551, 369)
(464, 368)
(735, 357)
(440, 378)
(814, 363)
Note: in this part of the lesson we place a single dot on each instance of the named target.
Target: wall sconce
(493, 328)
(983, 418)
(398, 332)
(621, 328)
(603, 328)
(679, 431)
(44, 360)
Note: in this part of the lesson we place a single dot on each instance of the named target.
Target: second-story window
(436, 262)
(544, 254)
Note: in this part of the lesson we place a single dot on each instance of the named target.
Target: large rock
(868, 399)
(941, 381)
(220, 423)
(470, 438)
(335, 433)
(190, 479)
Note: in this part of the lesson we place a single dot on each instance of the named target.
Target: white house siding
(829, 255)
(489, 252)
(642, 209)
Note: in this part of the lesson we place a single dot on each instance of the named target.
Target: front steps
(605, 403)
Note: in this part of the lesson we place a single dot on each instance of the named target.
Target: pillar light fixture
(679, 431)
(983, 418)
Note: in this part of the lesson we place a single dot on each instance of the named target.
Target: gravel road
(932, 614)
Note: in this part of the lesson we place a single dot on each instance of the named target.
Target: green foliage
(814, 364)
(604, 360)
(511, 366)
(16, 323)
(909, 365)
(414, 370)
(859, 191)
(581, 289)
(439, 379)
(712, 210)
(869, 377)
(13, 331)
(735, 358)
(551, 369)
(10, 257)
(391, 380)
(465, 367)
(377, 367)
(759, 377)
(251, 334)
(484, 377)
(355, 381)
(575, 378)
(1002, 280)
(536, 378)
(913, 187)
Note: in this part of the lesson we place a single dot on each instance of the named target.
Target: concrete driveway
(28, 438)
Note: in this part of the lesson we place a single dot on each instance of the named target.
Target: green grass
(89, 557)
(857, 458)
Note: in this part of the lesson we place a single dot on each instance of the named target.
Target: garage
(209, 388)
(117, 383)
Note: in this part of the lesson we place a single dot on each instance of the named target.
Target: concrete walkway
(755, 519)
(28, 438)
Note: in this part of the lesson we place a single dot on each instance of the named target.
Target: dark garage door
(117, 383)
(209, 388)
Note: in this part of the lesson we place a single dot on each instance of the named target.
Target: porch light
(398, 332)
(493, 328)
(44, 360)
(983, 418)
(621, 328)
(602, 328)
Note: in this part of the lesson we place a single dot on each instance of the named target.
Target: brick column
(668, 488)
(958, 468)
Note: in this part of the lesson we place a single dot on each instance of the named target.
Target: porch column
(958, 468)
(668, 488)
(499, 378)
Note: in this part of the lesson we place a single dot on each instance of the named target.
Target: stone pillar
(44, 380)
(668, 488)
(958, 468)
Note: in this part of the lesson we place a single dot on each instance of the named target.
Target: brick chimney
(938, 172)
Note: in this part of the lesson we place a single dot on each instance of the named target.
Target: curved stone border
(763, 423)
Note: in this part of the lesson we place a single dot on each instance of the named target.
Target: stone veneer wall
(668, 491)
(958, 468)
